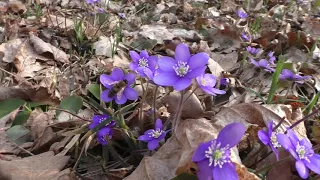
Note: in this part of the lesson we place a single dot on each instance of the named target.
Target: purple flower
(242, 14)
(302, 152)
(143, 64)
(224, 81)
(245, 36)
(269, 138)
(118, 87)
(286, 74)
(97, 119)
(207, 83)
(213, 157)
(262, 64)
(92, 1)
(271, 57)
(104, 135)
(180, 71)
(122, 15)
(154, 136)
(100, 10)
(253, 50)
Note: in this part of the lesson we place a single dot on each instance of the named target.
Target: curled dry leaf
(41, 166)
(175, 155)
(192, 108)
(17, 6)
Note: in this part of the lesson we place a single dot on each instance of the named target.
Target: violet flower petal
(117, 74)
(158, 124)
(313, 163)
(227, 171)
(144, 54)
(264, 138)
(130, 93)
(196, 72)
(254, 62)
(165, 78)
(153, 144)
(302, 169)
(286, 73)
(284, 141)
(182, 83)
(144, 138)
(199, 153)
(152, 60)
(106, 81)
(263, 63)
(293, 137)
(105, 97)
(231, 139)
(198, 60)
(122, 100)
(134, 56)
(182, 53)
(130, 77)
(205, 171)
(166, 63)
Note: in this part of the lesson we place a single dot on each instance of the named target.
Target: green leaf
(71, 103)
(185, 176)
(94, 89)
(9, 105)
(275, 78)
(19, 134)
(21, 118)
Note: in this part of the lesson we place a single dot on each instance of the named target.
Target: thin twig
(304, 118)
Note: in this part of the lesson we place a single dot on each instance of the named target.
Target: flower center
(301, 151)
(155, 133)
(203, 82)
(217, 155)
(181, 69)
(274, 140)
(143, 62)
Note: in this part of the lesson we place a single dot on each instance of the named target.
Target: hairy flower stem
(154, 104)
(175, 121)
(264, 170)
(144, 94)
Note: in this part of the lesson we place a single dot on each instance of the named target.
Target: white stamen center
(181, 69)
(143, 63)
(217, 155)
(302, 152)
(274, 140)
(155, 133)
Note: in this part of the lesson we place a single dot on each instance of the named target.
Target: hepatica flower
(269, 138)
(154, 136)
(213, 157)
(92, 1)
(245, 36)
(263, 64)
(286, 74)
(252, 50)
(271, 57)
(242, 14)
(105, 133)
(143, 64)
(180, 71)
(302, 152)
(118, 87)
(207, 83)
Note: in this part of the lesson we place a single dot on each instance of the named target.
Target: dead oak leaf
(9, 50)
(41, 166)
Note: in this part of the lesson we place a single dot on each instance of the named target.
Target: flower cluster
(267, 64)
(245, 36)
(253, 51)
(301, 150)
(207, 83)
(154, 136)
(105, 133)
(118, 87)
(213, 157)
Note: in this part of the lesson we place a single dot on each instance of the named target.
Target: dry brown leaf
(39, 167)
(156, 32)
(59, 22)
(175, 155)
(40, 130)
(47, 50)
(17, 6)
(9, 50)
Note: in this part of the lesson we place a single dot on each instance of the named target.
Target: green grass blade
(275, 79)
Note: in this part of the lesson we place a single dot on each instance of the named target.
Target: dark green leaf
(95, 90)
(18, 134)
(9, 105)
(71, 103)
(21, 118)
